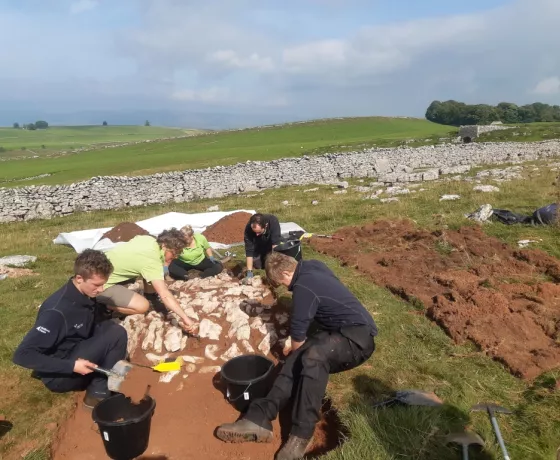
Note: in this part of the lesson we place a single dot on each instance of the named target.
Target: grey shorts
(116, 296)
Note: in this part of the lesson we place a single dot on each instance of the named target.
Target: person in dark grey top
(344, 341)
(262, 234)
(68, 339)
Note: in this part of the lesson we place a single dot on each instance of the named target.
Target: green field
(523, 133)
(72, 137)
(223, 148)
(412, 351)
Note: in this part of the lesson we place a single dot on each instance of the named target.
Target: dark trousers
(104, 348)
(178, 269)
(259, 260)
(305, 375)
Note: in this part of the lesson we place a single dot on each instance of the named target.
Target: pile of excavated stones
(234, 319)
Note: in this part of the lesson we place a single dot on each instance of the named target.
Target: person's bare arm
(209, 252)
(249, 263)
(171, 304)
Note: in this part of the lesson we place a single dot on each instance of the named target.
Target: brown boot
(294, 448)
(243, 431)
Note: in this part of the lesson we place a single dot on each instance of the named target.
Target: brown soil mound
(476, 287)
(229, 229)
(124, 232)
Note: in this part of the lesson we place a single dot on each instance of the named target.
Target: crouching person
(197, 256)
(345, 340)
(144, 256)
(66, 342)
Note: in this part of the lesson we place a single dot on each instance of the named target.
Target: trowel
(119, 371)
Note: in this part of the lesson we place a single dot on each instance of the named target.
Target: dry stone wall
(387, 165)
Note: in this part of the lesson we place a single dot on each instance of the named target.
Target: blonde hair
(276, 264)
(188, 232)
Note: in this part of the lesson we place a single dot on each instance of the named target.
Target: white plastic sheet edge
(92, 239)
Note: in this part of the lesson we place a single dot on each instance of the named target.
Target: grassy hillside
(413, 352)
(70, 137)
(523, 133)
(223, 148)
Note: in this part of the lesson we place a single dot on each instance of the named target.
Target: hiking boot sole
(234, 436)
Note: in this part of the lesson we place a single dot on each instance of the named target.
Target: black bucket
(290, 248)
(247, 378)
(127, 438)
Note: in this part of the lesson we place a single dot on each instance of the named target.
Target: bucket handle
(242, 393)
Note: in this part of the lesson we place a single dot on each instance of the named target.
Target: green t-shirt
(193, 256)
(141, 256)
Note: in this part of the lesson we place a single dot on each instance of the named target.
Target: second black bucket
(124, 426)
(291, 248)
(247, 377)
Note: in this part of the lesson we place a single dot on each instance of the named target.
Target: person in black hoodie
(344, 341)
(67, 341)
(262, 234)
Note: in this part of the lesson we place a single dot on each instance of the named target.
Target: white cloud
(210, 95)
(230, 59)
(240, 56)
(83, 5)
(548, 86)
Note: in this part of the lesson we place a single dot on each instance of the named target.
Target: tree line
(458, 113)
(41, 124)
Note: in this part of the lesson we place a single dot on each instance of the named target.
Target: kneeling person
(66, 343)
(262, 234)
(345, 340)
(144, 256)
(197, 255)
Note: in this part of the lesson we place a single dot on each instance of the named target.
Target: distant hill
(221, 148)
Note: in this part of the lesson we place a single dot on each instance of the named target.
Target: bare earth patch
(477, 288)
(190, 403)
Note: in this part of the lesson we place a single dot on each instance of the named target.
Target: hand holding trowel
(117, 374)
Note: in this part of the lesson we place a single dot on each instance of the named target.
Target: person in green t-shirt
(197, 255)
(144, 257)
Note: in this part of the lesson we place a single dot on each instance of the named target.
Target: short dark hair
(258, 219)
(276, 264)
(91, 262)
(174, 240)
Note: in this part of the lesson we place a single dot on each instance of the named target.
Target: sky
(232, 63)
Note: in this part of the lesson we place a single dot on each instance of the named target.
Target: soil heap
(229, 229)
(124, 232)
(475, 287)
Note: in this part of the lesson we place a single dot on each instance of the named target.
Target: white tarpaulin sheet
(92, 239)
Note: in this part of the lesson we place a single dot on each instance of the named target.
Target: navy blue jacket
(66, 318)
(319, 295)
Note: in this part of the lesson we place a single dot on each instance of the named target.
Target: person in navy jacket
(68, 341)
(344, 341)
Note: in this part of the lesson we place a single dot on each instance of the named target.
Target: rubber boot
(294, 448)
(243, 431)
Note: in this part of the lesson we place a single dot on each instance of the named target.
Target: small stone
(340, 192)
(342, 184)
(166, 377)
(314, 202)
(486, 188)
(449, 197)
(285, 202)
(209, 369)
(213, 208)
(388, 200)
(210, 352)
(17, 261)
